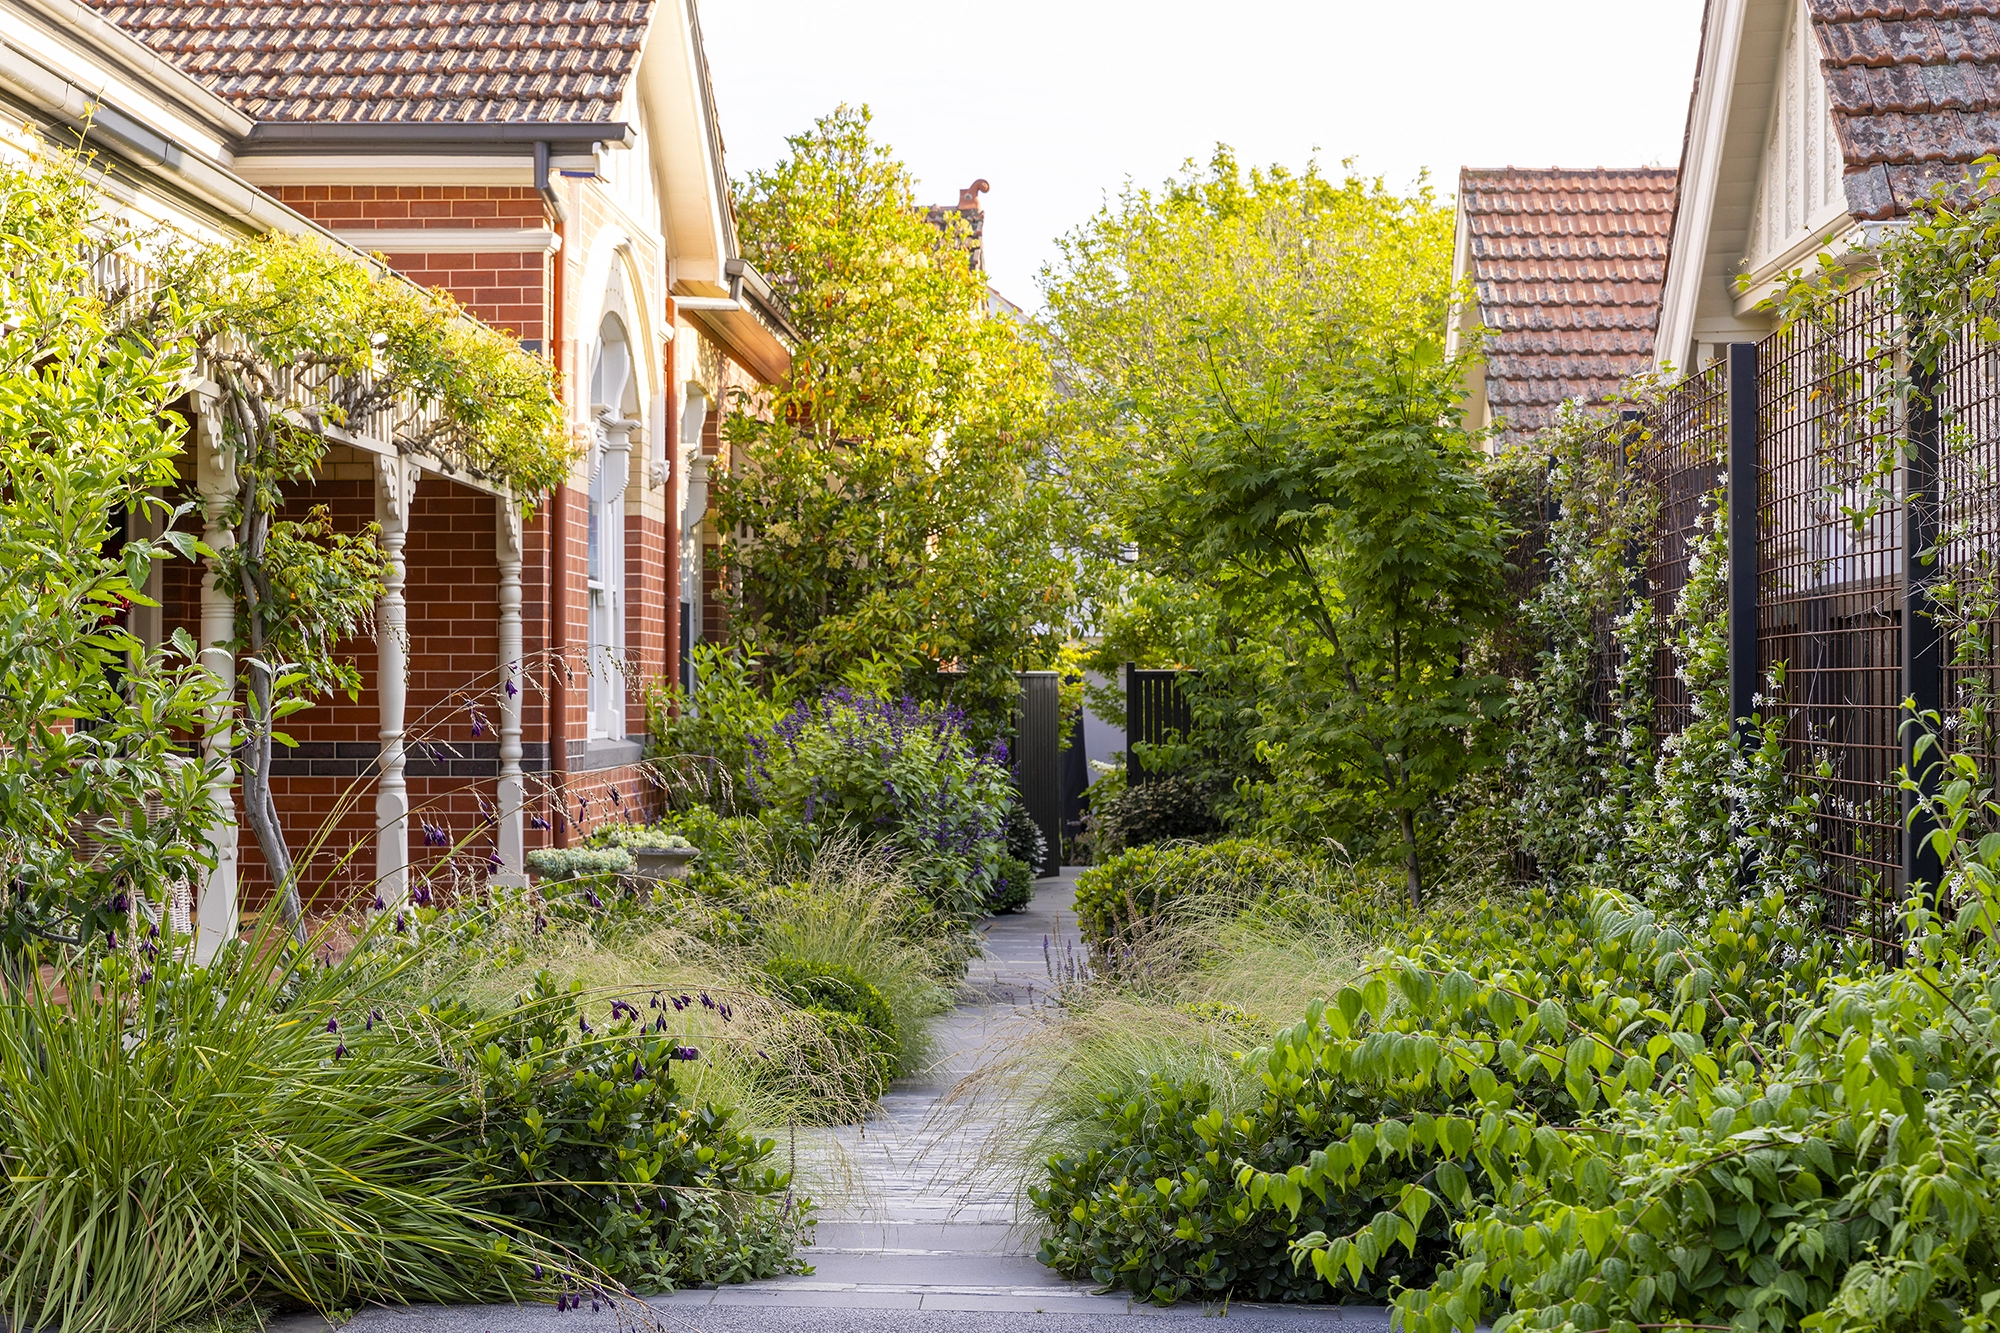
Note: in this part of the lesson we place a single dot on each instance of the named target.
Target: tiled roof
(1567, 267)
(447, 61)
(1915, 88)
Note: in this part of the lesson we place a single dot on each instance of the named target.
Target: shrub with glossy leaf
(1013, 887)
(1137, 886)
(592, 1149)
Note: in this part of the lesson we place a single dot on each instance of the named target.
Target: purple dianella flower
(680, 1003)
(537, 822)
(638, 1070)
(493, 862)
(374, 1017)
(402, 926)
(584, 1023)
(616, 799)
(380, 905)
(595, 901)
(145, 976)
(478, 725)
(120, 903)
(512, 689)
(660, 1023)
(620, 1009)
(707, 1003)
(537, 1272)
(723, 1009)
(687, 1053)
(340, 1052)
(333, 1025)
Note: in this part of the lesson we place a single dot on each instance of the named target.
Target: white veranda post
(395, 489)
(510, 799)
(215, 479)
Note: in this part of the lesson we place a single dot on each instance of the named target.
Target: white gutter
(213, 185)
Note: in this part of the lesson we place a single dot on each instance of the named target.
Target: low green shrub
(1135, 887)
(837, 986)
(588, 1145)
(1155, 1210)
(1013, 887)
(634, 836)
(1170, 807)
(175, 1138)
(1025, 839)
(560, 863)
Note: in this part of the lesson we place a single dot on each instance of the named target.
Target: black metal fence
(1845, 454)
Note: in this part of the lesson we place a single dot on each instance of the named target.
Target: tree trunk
(258, 807)
(1413, 871)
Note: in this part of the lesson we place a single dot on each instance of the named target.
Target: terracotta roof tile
(1915, 90)
(554, 61)
(1566, 266)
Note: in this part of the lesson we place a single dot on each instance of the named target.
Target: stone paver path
(918, 1236)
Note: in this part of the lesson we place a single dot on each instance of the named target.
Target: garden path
(919, 1235)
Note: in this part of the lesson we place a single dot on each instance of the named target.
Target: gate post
(1743, 589)
(1741, 398)
(1923, 647)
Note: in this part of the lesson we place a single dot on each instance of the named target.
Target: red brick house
(557, 166)
(1564, 268)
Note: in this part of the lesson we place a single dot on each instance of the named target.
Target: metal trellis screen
(1834, 453)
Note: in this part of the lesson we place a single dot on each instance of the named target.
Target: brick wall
(353, 207)
(507, 289)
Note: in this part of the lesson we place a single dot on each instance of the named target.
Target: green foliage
(579, 862)
(1013, 887)
(178, 1137)
(633, 836)
(735, 702)
(891, 486)
(587, 1143)
(89, 719)
(1123, 895)
(1169, 807)
(1155, 1209)
(906, 774)
(837, 986)
(1268, 423)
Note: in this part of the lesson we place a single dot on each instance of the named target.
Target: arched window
(614, 400)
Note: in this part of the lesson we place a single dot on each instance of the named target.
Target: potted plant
(658, 854)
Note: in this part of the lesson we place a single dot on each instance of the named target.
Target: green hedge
(849, 1061)
(1013, 887)
(1134, 886)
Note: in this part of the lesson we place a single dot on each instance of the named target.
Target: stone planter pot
(662, 863)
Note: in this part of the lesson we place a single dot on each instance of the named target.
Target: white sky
(1057, 102)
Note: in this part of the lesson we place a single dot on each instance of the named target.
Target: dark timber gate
(1038, 760)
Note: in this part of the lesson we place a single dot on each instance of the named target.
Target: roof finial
(969, 196)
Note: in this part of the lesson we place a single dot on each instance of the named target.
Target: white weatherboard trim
(450, 240)
(1700, 172)
(387, 169)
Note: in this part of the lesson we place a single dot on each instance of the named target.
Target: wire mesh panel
(1830, 619)
(1965, 598)
(1683, 458)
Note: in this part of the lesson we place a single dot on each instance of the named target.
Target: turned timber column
(510, 836)
(395, 487)
(215, 479)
